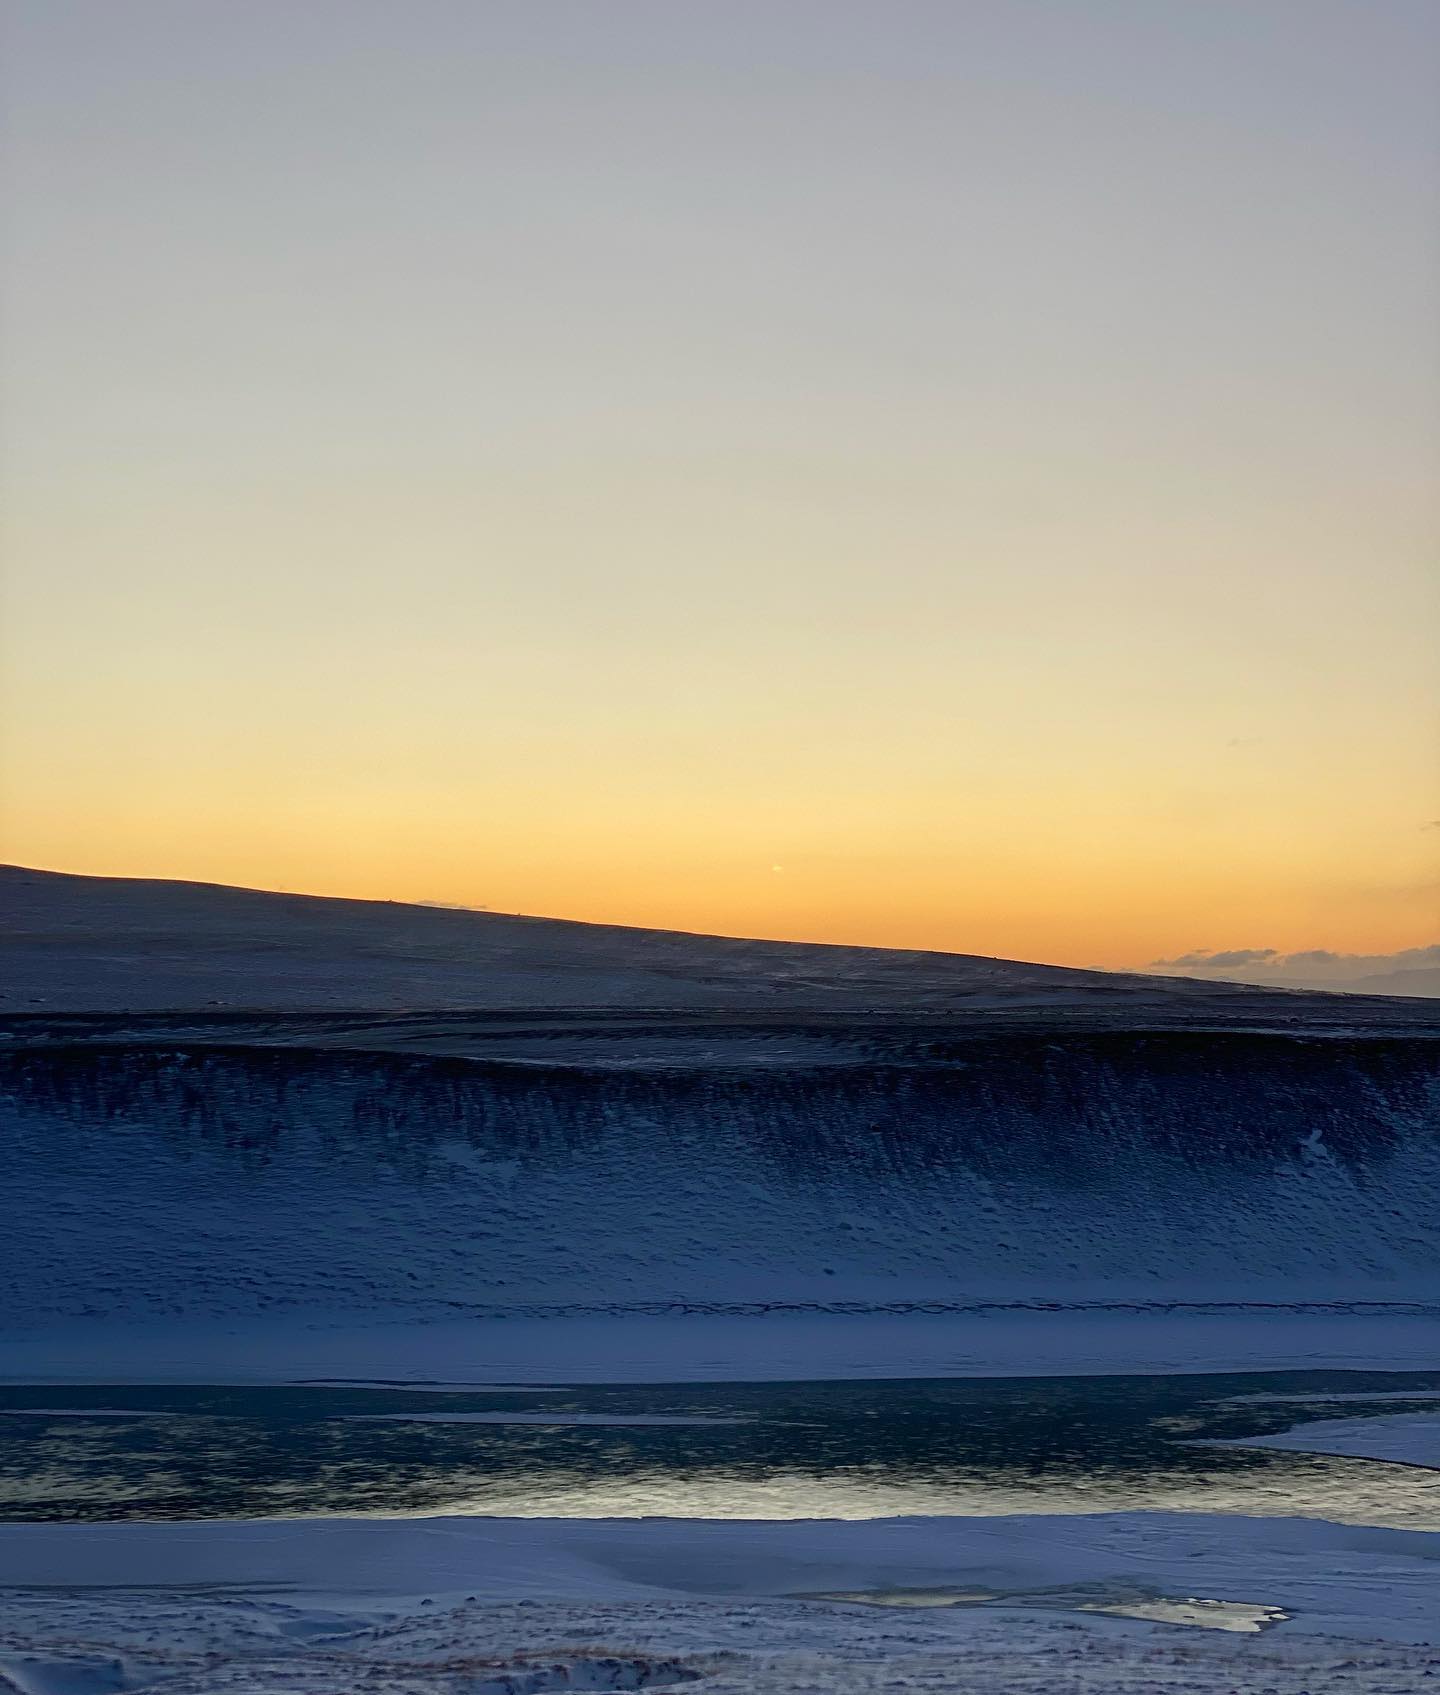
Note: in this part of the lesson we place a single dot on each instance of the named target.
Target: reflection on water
(707, 1450)
(1117, 1600)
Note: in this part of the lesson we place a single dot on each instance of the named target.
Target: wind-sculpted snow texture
(156, 1177)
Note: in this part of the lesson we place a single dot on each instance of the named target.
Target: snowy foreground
(208, 1645)
(1110, 1602)
(436, 1605)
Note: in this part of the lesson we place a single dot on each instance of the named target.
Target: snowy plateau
(270, 1138)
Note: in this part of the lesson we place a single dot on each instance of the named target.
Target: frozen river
(798, 1450)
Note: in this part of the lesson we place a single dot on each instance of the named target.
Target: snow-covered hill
(195, 1179)
(825, 1129)
(112, 943)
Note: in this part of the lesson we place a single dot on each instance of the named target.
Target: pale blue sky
(981, 456)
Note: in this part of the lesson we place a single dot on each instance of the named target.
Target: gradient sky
(955, 474)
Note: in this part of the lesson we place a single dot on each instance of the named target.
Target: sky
(936, 473)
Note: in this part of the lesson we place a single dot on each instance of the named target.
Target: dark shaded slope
(113, 944)
(949, 1166)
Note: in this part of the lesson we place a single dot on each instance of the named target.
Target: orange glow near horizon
(1081, 908)
(979, 459)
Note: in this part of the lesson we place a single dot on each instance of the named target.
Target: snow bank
(699, 1347)
(1045, 1168)
(1364, 1582)
(1407, 1438)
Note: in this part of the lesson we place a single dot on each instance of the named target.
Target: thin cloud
(1203, 958)
(1314, 965)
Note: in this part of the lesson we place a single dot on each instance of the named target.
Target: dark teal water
(768, 1450)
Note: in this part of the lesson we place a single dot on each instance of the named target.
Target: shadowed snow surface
(438, 1606)
(233, 1181)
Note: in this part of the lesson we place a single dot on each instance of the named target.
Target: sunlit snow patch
(1246, 1617)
